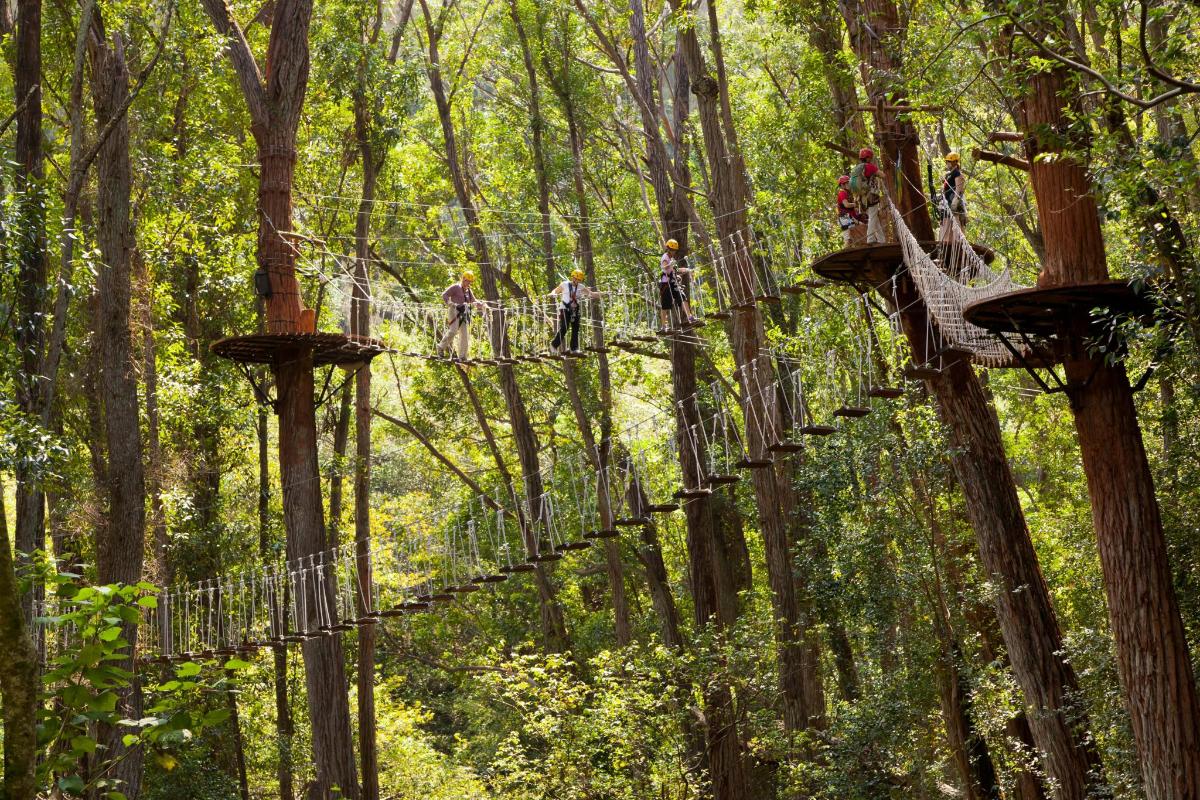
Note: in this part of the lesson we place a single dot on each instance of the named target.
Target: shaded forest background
(520, 139)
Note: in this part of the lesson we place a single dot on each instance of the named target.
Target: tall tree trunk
(1152, 649)
(284, 729)
(553, 624)
(119, 552)
(601, 455)
(825, 36)
(650, 554)
(324, 673)
(239, 740)
(274, 101)
(1027, 620)
(711, 589)
(360, 322)
(337, 463)
(537, 126)
(982, 618)
(154, 475)
(801, 691)
(31, 276)
(18, 680)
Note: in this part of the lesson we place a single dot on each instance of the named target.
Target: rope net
(951, 278)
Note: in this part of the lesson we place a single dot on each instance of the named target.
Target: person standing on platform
(460, 300)
(866, 184)
(570, 293)
(848, 215)
(954, 187)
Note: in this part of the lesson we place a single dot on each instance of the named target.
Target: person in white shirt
(670, 287)
(570, 293)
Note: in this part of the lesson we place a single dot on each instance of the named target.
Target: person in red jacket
(848, 214)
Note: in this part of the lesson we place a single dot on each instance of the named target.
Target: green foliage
(469, 705)
(88, 682)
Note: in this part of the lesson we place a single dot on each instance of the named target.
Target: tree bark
(154, 475)
(537, 125)
(802, 694)
(1027, 620)
(711, 590)
(284, 729)
(119, 552)
(239, 746)
(553, 624)
(324, 673)
(360, 322)
(650, 554)
(599, 454)
(274, 102)
(337, 464)
(18, 680)
(31, 275)
(1152, 650)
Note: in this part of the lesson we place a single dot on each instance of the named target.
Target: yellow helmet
(672, 244)
(952, 157)
(468, 276)
(576, 274)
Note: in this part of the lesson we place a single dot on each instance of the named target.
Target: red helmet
(869, 170)
(866, 152)
(842, 181)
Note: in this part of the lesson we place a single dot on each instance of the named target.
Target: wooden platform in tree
(873, 264)
(327, 348)
(1049, 312)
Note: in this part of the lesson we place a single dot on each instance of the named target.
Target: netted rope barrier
(950, 279)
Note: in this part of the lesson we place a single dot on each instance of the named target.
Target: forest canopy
(734, 399)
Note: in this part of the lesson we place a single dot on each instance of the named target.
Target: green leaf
(76, 696)
(83, 744)
(129, 739)
(72, 784)
(215, 717)
(188, 670)
(110, 634)
(237, 663)
(166, 761)
(106, 701)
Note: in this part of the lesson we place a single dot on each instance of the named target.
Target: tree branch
(1000, 158)
(474, 486)
(1109, 87)
(244, 64)
(1154, 69)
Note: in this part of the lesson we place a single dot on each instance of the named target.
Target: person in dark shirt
(954, 190)
(670, 287)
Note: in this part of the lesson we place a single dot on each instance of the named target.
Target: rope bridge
(951, 278)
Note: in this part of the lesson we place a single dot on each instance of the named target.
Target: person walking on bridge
(570, 293)
(670, 287)
(459, 300)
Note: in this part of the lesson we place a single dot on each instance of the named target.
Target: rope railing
(951, 278)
